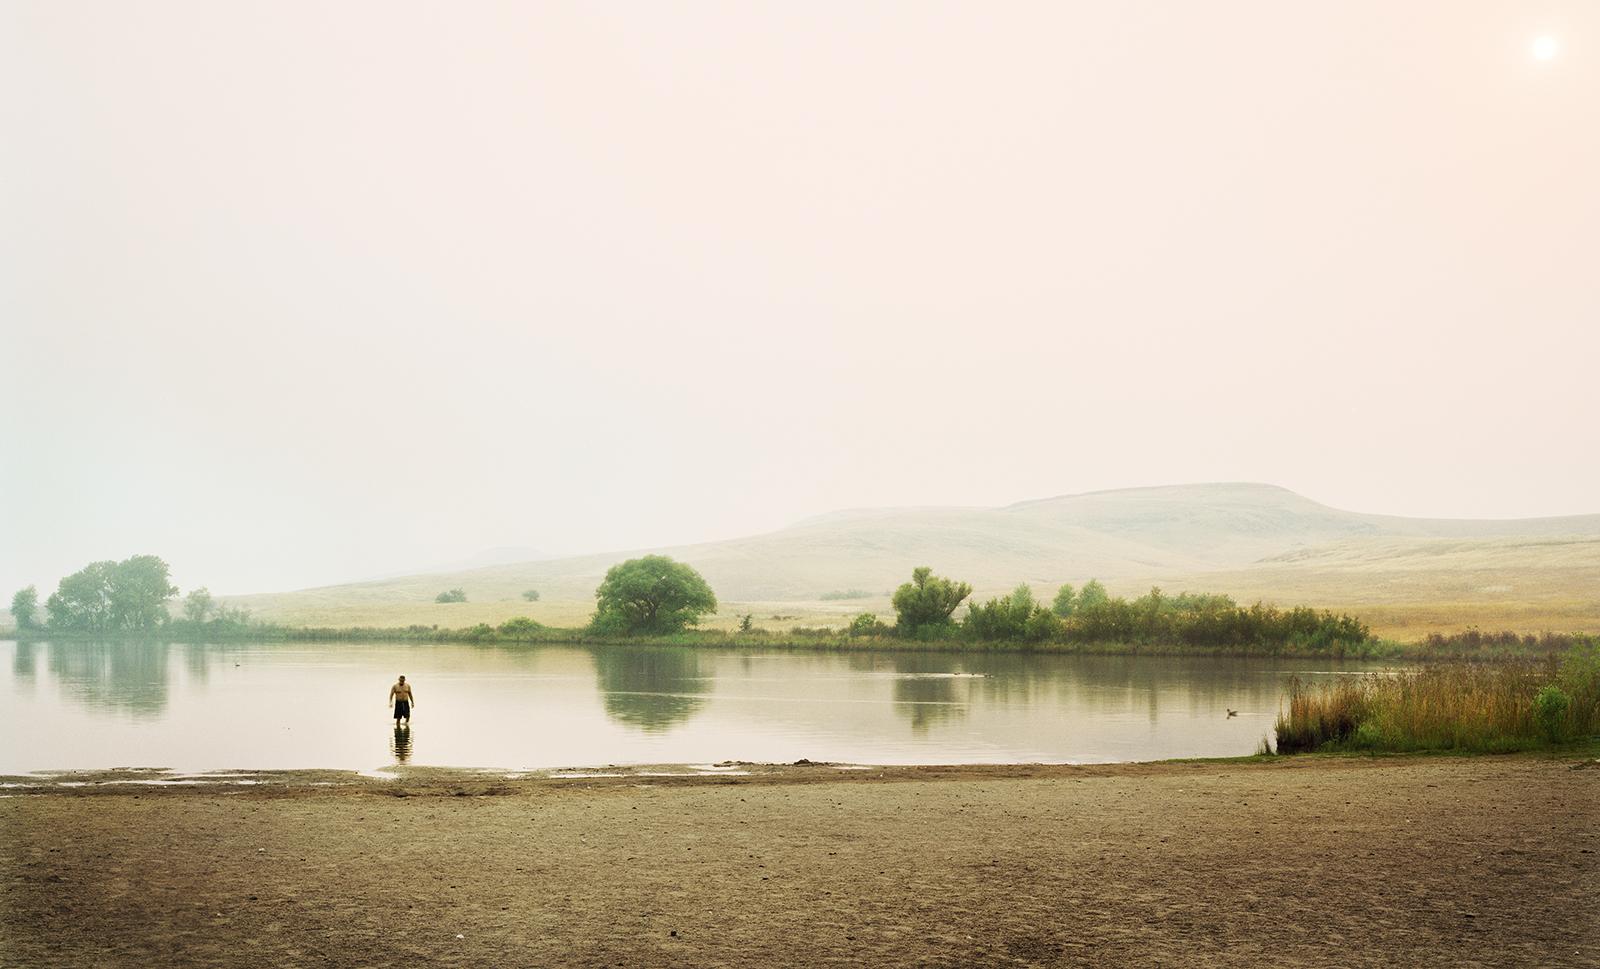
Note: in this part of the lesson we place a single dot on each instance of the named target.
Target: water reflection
(290, 705)
(400, 745)
(130, 677)
(926, 692)
(653, 688)
(24, 662)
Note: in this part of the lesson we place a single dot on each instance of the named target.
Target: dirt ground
(1408, 861)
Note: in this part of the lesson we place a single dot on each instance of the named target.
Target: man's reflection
(401, 745)
(651, 687)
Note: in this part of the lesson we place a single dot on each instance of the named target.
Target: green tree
(532, 595)
(140, 588)
(113, 596)
(198, 606)
(518, 627)
(451, 595)
(1005, 618)
(1093, 594)
(1066, 600)
(25, 608)
(747, 622)
(927, 600)
(866, 624)
(653, 595)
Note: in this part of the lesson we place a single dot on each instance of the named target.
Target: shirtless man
(401, 698)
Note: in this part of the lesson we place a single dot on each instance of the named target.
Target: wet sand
(1307, 861)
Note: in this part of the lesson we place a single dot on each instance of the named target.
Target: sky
(295, 293)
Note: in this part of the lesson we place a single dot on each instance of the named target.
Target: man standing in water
(400, 696)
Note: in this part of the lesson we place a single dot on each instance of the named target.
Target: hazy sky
(294, 293)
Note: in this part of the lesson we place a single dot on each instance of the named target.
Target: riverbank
(1472, 645)
(1282, 862)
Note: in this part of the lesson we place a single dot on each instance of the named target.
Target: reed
(1479, 707)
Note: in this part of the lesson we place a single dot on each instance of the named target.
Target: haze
(299, 293)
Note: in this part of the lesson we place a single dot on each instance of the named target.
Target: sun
(1545, 48)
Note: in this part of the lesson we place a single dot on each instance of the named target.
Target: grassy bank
(1472, 645)
(1478, 707)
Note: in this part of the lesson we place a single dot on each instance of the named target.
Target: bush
(867, 624)
(842, 594)
(518, 626)
(452, 595)
(1550, 708)
(532, 595)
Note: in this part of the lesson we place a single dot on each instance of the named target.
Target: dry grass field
(1406, 577)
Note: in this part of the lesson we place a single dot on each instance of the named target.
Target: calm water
(262, 706)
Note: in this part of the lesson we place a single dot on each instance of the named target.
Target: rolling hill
(1249, 540)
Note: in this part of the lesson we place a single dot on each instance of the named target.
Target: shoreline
(1381, 650)
(494, 781)
(1281, 862)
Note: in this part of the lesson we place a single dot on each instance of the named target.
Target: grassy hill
(1253, 541)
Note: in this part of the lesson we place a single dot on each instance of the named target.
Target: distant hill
(1252, 540)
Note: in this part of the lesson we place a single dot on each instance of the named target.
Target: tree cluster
(111, 597)
(925, 609)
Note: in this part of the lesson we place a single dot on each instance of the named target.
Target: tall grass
(1506, 706)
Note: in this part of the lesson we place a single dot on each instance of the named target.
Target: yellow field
(1406, 577)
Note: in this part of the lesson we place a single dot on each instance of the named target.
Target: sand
(1305, 861)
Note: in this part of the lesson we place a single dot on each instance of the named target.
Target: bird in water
(1232, 713)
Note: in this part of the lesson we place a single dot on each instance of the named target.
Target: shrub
(518, 626)
(840, 594)
(1550, 708)
(532, 595)
(866, 624)
(451, 595)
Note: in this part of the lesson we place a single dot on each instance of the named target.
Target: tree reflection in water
(927, 692)
(127, 676)
(653, 688)
(24, 661)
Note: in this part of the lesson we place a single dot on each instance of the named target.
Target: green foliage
(1066, 600)
(451, 595)
(843, 594)
(25, 608)
(652, 595)
(1514, 705)
(198, 605)
(1550, 706)
(927, 601)
(867, 624)
(1012, 618)
(747, 622)
(531, 595)
(518, 627)
(111, 596)
(1214, 622)
(1093, 594)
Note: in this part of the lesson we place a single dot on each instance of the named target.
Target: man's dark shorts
(402, 708)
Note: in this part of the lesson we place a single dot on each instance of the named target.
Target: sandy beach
(1443, 861)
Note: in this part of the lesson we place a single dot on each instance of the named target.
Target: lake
(69, 706)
